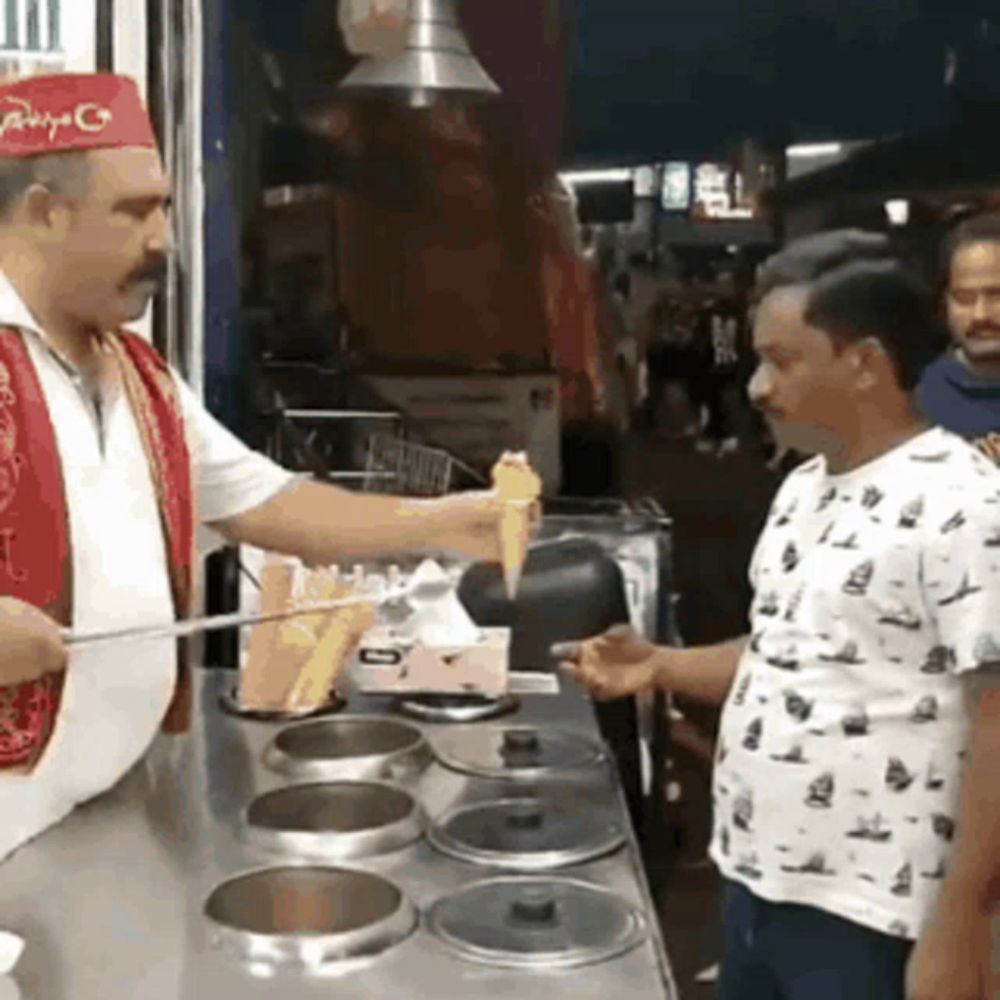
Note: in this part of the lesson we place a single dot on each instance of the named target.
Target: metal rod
(194, 626)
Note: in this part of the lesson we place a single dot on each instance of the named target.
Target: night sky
(659, 79)
(655, 78)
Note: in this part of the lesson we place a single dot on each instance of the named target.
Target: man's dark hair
(62, 173)
(983, 228)
(857, 288)
(805, 260)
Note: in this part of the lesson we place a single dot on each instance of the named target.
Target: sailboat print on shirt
(794, 756)
(740, 697)
(821, 790)
(987, 649)
(797, 706)
(785, 518)
(953, 523)
(848, 654)
(769, 604)
(790, 558)
(935, 780)
(901, 617)
(925, 710)
(850, 543)
(965, 589)
(860, 579)
(910, 515)
(749, 865)
(943, 826)
(815, 864)
(993, 539)
(938, 661)
(751, 739)
(743, 811)
(902, 884)
(787, 659)
(856, 724)
(825, 537)
(937, 873)
(871, 497)
(897, 776)
(871, 829)
(826, 499)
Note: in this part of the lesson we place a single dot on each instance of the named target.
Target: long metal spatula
(212, 623)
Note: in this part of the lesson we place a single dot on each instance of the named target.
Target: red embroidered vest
(35, 547)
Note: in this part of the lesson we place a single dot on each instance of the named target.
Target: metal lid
(456, 707)
(308, 915)
(335, 820)
(349, 747)
(527, 834)
(229, 702)
(536, 923)
(517, 751)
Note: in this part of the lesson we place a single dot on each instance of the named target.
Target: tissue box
(388, 663)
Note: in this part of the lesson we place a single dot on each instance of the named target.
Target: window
(46, 36)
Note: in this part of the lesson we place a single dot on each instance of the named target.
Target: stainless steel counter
(110, 901)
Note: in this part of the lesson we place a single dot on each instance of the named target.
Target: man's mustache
(152, 271)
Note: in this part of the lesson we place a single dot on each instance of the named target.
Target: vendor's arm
(250, 499)
(322, 524)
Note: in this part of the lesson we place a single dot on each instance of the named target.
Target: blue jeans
(784, 951)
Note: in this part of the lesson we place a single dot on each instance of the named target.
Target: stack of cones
(293, 665)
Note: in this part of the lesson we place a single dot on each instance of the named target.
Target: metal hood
(437, 66)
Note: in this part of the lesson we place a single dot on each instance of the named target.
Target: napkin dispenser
(427, 643)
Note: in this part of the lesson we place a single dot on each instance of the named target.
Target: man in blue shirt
(961, 390)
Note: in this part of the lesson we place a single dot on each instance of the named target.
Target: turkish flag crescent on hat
(72, 112)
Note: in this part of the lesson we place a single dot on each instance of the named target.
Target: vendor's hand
(616, 664)
(943, 965)
(469, 524)
(30, 643)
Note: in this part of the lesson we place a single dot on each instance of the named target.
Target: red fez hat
(70, 112)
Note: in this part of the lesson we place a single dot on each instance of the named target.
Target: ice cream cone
(515, 534)
(519, 487)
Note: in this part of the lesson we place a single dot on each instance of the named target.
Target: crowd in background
(682, 357)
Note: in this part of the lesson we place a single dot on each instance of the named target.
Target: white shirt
(115, 697)
(843, 740)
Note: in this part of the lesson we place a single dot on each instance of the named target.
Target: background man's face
(973, 301)
(117, 242)
(802, 384)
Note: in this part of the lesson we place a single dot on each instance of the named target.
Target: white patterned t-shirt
(842, 741)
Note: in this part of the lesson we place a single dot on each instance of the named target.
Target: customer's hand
(30, 643)
(616, 664)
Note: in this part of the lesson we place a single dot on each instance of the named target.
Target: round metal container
(349, 748)
(536, 923)
(229, 702)
(518, 752)
(526, 834)
(452, 708)
(308, 916)
(334, 820)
